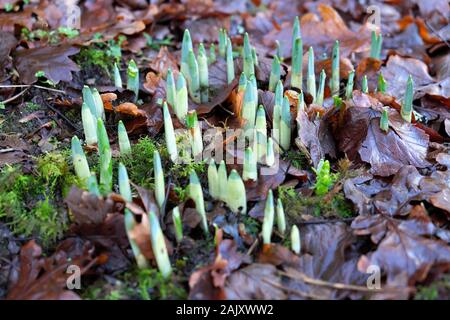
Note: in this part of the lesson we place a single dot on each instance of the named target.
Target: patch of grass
(28, 201)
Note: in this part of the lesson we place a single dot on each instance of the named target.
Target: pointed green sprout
(269, 213)
(193, 79)
(278, 51)
(349, 88)
(117, 77)
(124, 183)
(407, 105)
(89, 125)
(212, 53)
(222, 42)
(195, 133)
(158, 174)
(104, 150)
(261, 146)
(255, 57)
(203, 73)
(92, 185)
(79, 161)
(281, 219)
(88, 99)
(311, 80)
(170, 88)
(324, 178)
(242, 82)
(230, 62)
(364, 85)
(249, 67)
(130, 223)
(297, 64)
(186, 47)
(275, 73)
(295, 240)
(159, 246)
(181, 102)
(261, 132)
(124, 142)
(223, 180)
(334, 82)
(261, 124)
(270, 154)
(100, 110)
(133, 79)
(285, 125)
(250, 169)
(277, 112)
(125, 191)
(375, 45)
(196, 194)
(169, 134)
(254, 87)
(236, 198)
(296, 33)
(178, 224)
(381, 84)
(213, 180)
(321, 90)
(384, 120)
(300, 103)
(249, 106)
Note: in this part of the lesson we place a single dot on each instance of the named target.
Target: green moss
(252, 226)
(139, 162)
(103, 55)
(439, 289)
(297, 158)
(295, 205)
(145, 284)
(28, 201)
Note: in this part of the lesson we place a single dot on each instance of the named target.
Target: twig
(294, 274)
(326, 221)
(436, 33)
(31, 85)
(294, 291)
(252, 247)
(7, 150)
(15, 97)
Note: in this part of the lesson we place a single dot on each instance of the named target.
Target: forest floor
(379, 215)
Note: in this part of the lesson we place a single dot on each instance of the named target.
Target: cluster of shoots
(270, 210)
(91, 110)
(229, 189)
(324, 178)
(133, 79)
(407, 104)
(195, 69)
(282, 118)
(375, 45)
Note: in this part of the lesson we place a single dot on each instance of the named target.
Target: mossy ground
(31, 203)
(144, 284)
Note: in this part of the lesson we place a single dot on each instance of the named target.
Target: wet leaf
(54, 61)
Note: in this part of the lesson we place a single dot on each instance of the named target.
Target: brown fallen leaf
(54, 61)
(208, 282)
(42, 278)
(403, 254)
(360, 137)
